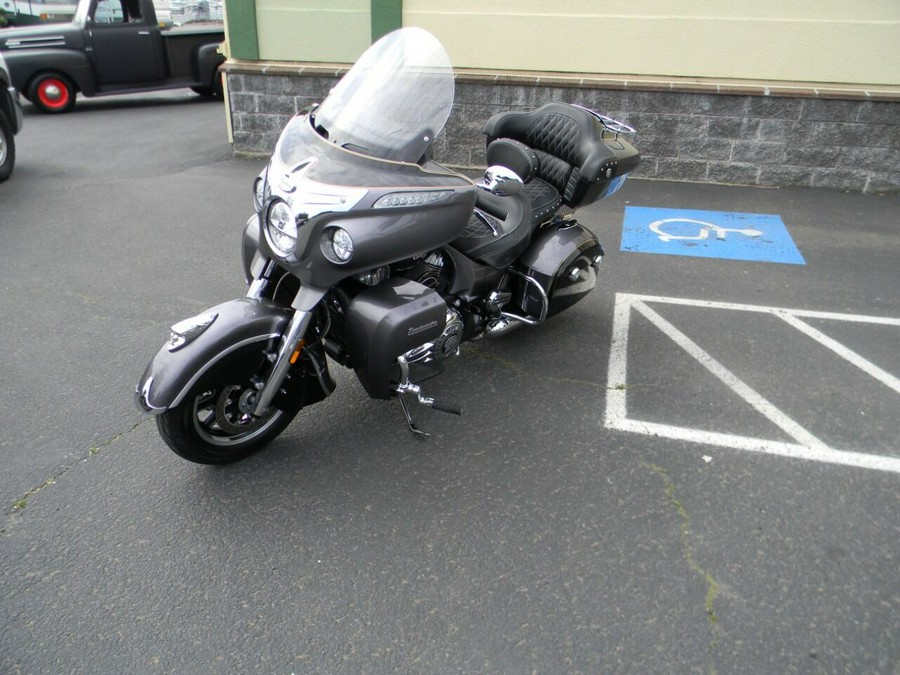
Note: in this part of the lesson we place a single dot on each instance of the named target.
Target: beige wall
(782, 40)
(331, 31)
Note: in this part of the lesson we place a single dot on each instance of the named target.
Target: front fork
(292, 340)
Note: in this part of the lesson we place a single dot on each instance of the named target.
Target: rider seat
(499, 229)
(524, 161)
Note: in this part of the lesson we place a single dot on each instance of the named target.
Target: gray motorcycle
(365, 252)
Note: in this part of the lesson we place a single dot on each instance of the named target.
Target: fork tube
(258, 286)
(296, 329)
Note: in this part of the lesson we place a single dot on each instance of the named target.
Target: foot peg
(423, 400)
(407, 387)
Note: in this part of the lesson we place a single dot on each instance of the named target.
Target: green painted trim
(387, 15)
(243, 38)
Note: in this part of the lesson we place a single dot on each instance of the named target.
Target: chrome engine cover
(444, 346)
(447, 344)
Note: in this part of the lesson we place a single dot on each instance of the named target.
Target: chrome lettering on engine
(415, 330)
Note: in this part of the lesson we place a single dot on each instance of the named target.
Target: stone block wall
(730, 133)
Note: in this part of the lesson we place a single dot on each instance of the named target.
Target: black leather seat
(499, 229)
(560, 154)
(568, 144)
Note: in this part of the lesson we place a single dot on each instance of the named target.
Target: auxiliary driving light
(341, 244)
(259, 195)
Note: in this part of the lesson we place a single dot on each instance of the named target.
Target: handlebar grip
(446, 407)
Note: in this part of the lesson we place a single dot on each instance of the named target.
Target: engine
(431, 270)
(442, 347)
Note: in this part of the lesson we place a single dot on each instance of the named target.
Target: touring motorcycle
(365, 252)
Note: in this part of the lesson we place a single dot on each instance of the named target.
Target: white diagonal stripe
(848, 354)
(741, 388)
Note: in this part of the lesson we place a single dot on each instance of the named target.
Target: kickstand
(409, 420)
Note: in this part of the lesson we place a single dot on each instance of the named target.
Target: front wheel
(52, 93)
(213, 424)
(7, 147)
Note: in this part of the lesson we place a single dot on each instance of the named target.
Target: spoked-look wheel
(52, 93)
(214, 423)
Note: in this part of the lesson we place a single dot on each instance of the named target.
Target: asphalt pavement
(695, 469)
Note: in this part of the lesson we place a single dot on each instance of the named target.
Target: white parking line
(807, 446)
(839, 349)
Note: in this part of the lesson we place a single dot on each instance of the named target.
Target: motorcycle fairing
(380, 234)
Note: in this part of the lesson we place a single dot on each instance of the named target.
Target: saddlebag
(386, 321)
(562, 259)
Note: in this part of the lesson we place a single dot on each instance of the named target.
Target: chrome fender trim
(171, 374)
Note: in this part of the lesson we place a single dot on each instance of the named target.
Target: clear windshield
(395, 99)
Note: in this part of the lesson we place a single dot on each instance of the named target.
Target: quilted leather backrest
(555, 134)
(560, 135)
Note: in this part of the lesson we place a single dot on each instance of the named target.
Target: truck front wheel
(52, 93)
(7, 147)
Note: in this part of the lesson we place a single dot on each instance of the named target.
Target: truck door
(125, 47)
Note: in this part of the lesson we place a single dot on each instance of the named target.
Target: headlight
(341, 244)
(281, 227)
(259, 195)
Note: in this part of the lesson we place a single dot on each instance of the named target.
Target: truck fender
(24, 65)
(198, 343)
(208, 60)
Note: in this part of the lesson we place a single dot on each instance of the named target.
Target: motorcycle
(364, 252)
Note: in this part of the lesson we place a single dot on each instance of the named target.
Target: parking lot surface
(693, 470)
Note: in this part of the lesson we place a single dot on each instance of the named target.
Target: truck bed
(180, 43)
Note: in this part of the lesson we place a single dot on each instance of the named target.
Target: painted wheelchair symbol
(703, 231)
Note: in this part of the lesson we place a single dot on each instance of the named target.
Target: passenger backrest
(569, 142)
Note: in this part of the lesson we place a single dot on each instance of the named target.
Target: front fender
(175, 368)
(26, 63)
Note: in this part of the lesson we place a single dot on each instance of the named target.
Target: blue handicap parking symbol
(709, 234)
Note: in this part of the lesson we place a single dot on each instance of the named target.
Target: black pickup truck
(112, 47)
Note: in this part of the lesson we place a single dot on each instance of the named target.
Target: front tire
(52, 93)
(213, 425)
(7, 147)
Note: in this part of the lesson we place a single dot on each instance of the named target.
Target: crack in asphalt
(514, 367)
(712, 586)
(21, 503)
